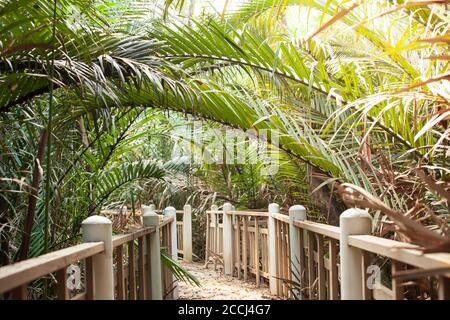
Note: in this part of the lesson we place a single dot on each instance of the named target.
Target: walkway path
(216, 286)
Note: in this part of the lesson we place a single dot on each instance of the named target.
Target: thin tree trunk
(85, 141)
(324, 199)
(4, 239)
(32, 199)
(82, 131)
(84, 138)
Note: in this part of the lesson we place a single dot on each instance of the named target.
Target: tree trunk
(329, 205)
(32, 199)
(4, 240)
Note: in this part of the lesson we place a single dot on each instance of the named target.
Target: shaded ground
(216, 286)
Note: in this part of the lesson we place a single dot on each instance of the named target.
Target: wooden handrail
(242, 213)
(117, 212)
(319, 228)
(23, 272)
(400, 251)
(124, 238)
(166, 220)
(281, 217)
(389, 248)
(321, 237)
(249, 213)
(177, 211)
(20, 274)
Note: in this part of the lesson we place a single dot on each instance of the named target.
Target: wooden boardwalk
(251, 251)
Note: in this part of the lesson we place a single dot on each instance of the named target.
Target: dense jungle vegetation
(96, 96)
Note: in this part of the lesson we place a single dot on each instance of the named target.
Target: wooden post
(245, 240)
(367, 292)
(234, 218)
(97, 228)
(215, 237)
(273, 208)
(131, 270)
(311, 265)
(207, 240)
(20, 293)
(61, 289)
(352, 222)
(187, 233)
(257, 271)
(89, 279)
(215, 222)
(141, 267)
(397, 288)
(120, 273)
(238, 246)
(333, 283)
(171, 212)
(296, 213)
(151, 219)
(322, 294)
(227, 244)
(444, 288)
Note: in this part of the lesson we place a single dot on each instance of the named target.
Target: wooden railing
(180, 237)
(249, 243)
(125, 266)
(184, 232)
(15, 278)
(167, 236)
(214, 237)
(123, 217)
(132, 264)
(324, 261)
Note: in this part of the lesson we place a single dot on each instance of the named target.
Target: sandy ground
(216, 286)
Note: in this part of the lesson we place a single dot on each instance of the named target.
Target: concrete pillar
(151, 219)
(273, 208)
(171, 212)
(234, 217)
(352, 222)
(296, 213)
(187, 233)
(213, 216)
(98, 228)
(227, 238)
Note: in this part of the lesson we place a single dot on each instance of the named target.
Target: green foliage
(362, 98)
(179, 273)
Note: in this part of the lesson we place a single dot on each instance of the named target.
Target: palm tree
(366, 106)
(359, 102)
